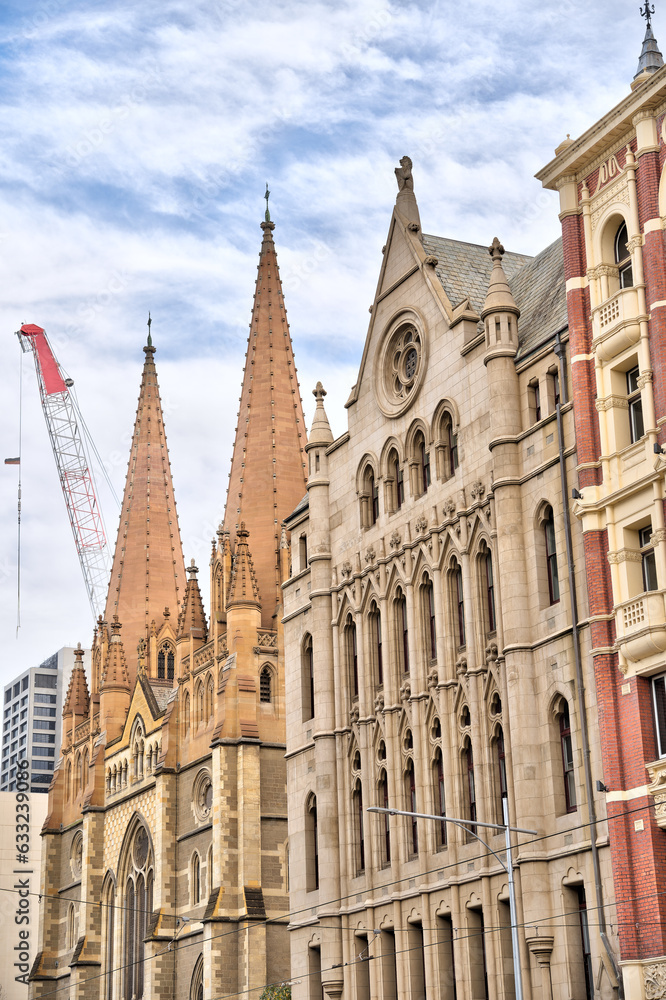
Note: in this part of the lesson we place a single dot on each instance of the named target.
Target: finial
(150, 339)
(192, 569)
(496, 250)
(647, 12)
(319, 392)
(267, 196)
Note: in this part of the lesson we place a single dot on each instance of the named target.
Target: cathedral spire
(77, 700)
(148, 568)
(243, 584)
(267, 478)
(192, 617)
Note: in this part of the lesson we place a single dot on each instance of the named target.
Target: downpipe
(580, 685)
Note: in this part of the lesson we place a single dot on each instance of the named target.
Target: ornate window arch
(166, 659)
(486, 579)
(138, 872)
(195, 879)
(266, 684)
(394, 477)
(418, 455)
(445, 433)
(70, 937)
(108, 931)
(351, 652)
(311, 843)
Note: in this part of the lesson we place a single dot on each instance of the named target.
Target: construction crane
(69, 435)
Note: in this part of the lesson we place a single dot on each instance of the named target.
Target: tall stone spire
(77, 700)
(267, 477)
(192, 617)
(148, 567)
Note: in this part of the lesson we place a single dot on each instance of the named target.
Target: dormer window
(623, 257)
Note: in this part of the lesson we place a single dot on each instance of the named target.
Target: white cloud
(135, 142)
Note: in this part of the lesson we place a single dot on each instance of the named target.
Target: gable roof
(537, 283)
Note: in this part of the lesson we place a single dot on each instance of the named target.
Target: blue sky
(135, 144)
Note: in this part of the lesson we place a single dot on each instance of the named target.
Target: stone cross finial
(647, 12)
(496, 250)
(150, 339)
(319, 392)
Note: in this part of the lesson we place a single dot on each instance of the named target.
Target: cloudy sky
(135, 144)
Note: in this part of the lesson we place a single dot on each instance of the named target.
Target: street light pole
(470, 827)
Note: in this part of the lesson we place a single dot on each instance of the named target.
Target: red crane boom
(62, 421)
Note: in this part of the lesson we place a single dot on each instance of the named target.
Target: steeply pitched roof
(537, 283)
(268, 466)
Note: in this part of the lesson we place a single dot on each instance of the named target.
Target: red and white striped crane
(67, 431)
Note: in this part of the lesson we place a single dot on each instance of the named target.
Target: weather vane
(647, 12)
(267, 196)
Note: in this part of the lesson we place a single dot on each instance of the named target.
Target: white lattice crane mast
(64, 426)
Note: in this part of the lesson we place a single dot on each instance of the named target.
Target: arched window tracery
(138, 904)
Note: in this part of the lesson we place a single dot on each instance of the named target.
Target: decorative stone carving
(370, 555)
(347, 569)
(379, 704)
(655, 982)
(395, 540)
(421, 525)
(431, 261)
(624, 555)
(413, 227)
(403, 174)
(449, 507)
(477, 490)
(644, 379)
(354, 715)
(433, 678)
(405, 691)
(610, 401)
(491, 652)
(461, 666)
(657, 536)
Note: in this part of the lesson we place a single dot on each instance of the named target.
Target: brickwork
(623, 671)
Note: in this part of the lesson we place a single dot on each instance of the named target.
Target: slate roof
(162, 695)
(537, 283)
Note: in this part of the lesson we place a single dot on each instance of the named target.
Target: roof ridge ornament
(646, 12)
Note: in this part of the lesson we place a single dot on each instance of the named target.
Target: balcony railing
(616, 324)
(641, 626)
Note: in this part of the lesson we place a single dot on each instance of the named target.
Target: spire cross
(646, 12)
(150, 339)
(267, 196)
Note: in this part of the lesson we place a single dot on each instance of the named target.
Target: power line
(185, 943)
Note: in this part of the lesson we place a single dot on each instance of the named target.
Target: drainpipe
(580, 686)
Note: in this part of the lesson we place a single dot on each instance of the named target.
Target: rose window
(405, 362)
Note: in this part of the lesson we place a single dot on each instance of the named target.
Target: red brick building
(612, 186)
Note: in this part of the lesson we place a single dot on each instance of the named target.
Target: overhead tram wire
(341, 899)
(273, 920)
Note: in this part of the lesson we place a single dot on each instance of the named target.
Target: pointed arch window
(186, 713)
(551, 556)
(357, 803)
(500, 763)
(385, 832)
(196, 985)
(352, 656)
(307, 673)
(195, 879)
(265, 685)
(397, 481)
(71, 927)
(459, 603)
(137, 906)
(312, 845)
(489, 581)
(428, 596)
(421, 463)
(376, 643)
(469, 783)
(109, 915)
(410, 803)
(165, 662)
(438, 796)
(403, 631)
(568, 769)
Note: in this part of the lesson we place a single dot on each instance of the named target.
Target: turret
(115, 686)
(243, 602)
(192, 624)
(500, 317)
(77, 700)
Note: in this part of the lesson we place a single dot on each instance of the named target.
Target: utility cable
(184, 943)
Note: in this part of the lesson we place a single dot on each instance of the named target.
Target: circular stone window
(203, 796)
(400, 369)
(76, 855)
